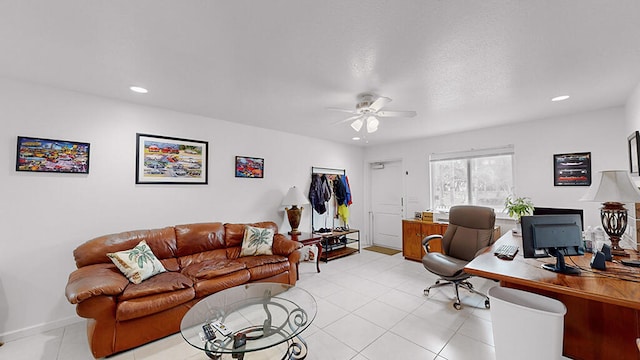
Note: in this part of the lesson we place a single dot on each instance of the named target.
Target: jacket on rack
(319, 193)
(340, 190)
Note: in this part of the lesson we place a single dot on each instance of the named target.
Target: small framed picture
(169, 160)
(49, 155)
(634, 153)
(572, 169)
(249, 167)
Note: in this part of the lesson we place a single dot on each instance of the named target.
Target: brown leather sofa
(200, 259)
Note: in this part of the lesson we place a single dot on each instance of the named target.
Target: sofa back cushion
(161, 241)
(234, 234)
(198, 238)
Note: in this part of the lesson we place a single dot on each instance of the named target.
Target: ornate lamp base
(294, 219)
(614, 221)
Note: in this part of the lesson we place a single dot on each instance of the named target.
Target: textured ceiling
(279, 64)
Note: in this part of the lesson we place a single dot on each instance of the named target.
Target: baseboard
(39, 329)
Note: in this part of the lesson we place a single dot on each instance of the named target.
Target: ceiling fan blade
(379, 103)
(347, 119)
(396, 113)
(341, 109)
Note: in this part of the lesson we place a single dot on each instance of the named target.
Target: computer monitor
(553, 235)
(559, 211)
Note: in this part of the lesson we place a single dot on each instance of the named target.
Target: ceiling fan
(368, 110)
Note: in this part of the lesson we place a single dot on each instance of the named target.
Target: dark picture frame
(634, 153)
(51, 155)
(249, 167)
(573, 169)
(171, 160)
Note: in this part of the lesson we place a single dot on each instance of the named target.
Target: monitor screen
(554, 235)
(559, 211)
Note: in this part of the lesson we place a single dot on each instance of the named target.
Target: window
(476, 177)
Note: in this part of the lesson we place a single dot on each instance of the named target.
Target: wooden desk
(603, 307)
(309, 239)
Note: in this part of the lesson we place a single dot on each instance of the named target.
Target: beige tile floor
(370, 307)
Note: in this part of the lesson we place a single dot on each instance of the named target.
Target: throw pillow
(137, 264)
(257, 241)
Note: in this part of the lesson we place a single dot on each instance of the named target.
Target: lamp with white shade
(613, 190)
(294, 198)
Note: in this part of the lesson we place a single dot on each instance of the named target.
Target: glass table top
(254, 316)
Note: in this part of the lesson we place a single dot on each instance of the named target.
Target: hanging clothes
(345, 183)
(319, 193)
(315, 195)
(340, 191)
(343, 213)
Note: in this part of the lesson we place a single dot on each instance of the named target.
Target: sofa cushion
(147, 305)
(161, 283)
(257, 241)
(210, 286)
(199, 238)
(210, 269)
(234, 233)
(137, 264)
(161, 241)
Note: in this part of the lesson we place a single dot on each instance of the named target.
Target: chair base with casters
(465, 284)
(469, 233)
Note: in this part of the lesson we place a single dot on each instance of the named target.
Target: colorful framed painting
(249, 167)
(572, 169)
(169, 160)
(50, 155)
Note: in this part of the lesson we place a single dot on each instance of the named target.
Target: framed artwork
(169, 160)
(634, 153)
(49, 155)
(249, 167)
(572, 169)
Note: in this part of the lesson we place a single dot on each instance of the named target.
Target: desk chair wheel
(457, 305)
(487, 305)
(426, 292)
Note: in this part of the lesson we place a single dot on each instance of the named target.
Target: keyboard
(506, 252)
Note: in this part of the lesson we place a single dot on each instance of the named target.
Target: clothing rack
(329, 218)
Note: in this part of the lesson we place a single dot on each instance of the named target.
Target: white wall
(43, 217)
(600, 132)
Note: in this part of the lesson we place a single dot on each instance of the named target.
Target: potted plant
(518, 207)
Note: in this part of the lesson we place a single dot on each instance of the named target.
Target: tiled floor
(370, 306)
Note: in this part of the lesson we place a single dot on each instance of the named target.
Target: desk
(603, 310)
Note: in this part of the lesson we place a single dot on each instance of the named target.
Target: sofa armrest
(94, 280)
(284, 246)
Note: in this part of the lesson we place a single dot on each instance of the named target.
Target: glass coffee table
(259, 320)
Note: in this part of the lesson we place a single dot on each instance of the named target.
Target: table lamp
(294, 198)
(614, 189)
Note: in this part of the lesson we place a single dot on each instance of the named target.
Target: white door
(387, 204)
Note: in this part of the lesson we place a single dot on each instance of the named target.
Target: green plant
(517, 207)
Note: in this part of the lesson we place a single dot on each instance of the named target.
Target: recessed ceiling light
(355, 138)
(139, 89)
(560, 98)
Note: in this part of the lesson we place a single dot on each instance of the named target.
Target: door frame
(368, 190)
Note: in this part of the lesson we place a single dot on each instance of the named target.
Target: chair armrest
(426, 240)
(94, 280)
(284, 246)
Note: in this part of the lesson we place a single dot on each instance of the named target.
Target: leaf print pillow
(137, 264)
(257, 241)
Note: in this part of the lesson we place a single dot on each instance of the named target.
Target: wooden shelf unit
(339, 243)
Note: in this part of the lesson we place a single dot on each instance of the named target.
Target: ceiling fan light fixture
(357, 125)
(372, 124)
